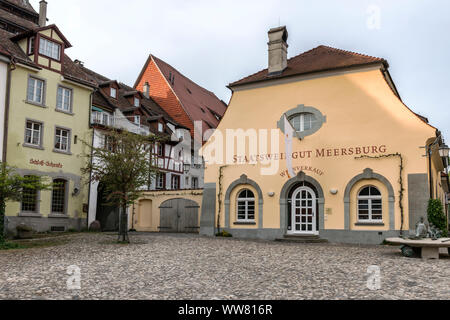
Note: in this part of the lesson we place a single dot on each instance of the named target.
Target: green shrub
(437, 216)
(224, 234)
(10, 246)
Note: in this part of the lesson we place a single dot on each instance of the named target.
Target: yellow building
(46, 119)
(356, 169)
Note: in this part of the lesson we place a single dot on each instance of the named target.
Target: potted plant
(24, 231)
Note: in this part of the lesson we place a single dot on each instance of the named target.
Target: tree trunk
(2, 220)
(123, 225)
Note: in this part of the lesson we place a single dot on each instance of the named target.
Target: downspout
(92, 152)
(430, 153)
(7, 102)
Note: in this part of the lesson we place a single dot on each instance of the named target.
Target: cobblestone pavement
(158, 266)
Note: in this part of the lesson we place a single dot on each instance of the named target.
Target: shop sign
(43, 163)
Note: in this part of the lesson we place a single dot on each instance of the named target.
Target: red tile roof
(151, 108)
(12, 18)
(24, 4)
(322, 58)
(198, 103)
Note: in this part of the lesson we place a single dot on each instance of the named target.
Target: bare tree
(123, 165)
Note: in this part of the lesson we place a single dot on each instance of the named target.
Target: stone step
(302, 239)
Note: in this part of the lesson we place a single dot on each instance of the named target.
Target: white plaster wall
(98, 141)
(3, 76)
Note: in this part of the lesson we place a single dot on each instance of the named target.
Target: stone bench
(429, 248)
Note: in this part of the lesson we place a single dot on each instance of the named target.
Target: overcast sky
(216, 42)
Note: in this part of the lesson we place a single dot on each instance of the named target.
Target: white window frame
(160, 127)
(113, 93)
(61, 137)
(49, 49)
(301, 118)
(369, 204)
(136, 102)
(159, 185)
(39, 144)
(63, 99)
(32, 81)
(31, 44)
(246, 202)
(137, 120)
(172, 180)
(195, 185)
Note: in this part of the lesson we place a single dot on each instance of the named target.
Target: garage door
(179, 216)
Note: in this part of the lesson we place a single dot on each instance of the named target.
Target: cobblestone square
(161, 266)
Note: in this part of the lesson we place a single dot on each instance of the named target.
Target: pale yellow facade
(145, 214)
(363, 117)
(45, 160)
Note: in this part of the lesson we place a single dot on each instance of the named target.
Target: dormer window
(136, 102)
(160, 127)
(50, 49)
(113, 93)
(31, 45)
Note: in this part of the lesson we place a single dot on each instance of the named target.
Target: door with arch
(179, 216)
(304, 212)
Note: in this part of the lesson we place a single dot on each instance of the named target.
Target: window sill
(379, 224)
(244, 223)
(69, 113)
(26, 145)
(62, 152)
(29, 215)
(36, 104)
(58, 215)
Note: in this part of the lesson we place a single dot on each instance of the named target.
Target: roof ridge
(293, 60)
(353, 52)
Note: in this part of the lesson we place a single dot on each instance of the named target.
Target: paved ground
(192, 267)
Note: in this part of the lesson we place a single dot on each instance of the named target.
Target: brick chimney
(42, 13)
(277, 50)
(146, 89)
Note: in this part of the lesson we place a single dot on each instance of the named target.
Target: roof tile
(322, 58)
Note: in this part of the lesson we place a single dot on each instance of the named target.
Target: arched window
(30, 196)
(370, 205)
(303, 121)
(59, 196)
(246, 206)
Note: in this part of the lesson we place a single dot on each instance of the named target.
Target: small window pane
(33, 133)
(59, 196)
(29, 198)
(365, 192)
(49, 49)
(374, 191)
(35, 90)
(62, 140)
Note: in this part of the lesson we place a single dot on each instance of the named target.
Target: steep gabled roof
(23, 4)
(322, 58)
(197, 102)
(70, 70)
(148, 105)
(38, 29)
(23, 24)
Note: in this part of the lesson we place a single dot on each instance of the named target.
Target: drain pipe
(11, 67)
(92, 152)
